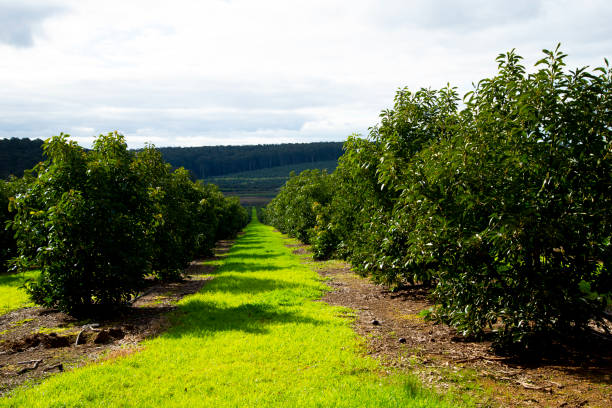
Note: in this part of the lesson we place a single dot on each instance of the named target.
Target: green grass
(253, 337)
(12, 296)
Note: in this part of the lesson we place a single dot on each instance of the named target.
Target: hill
(258, 187)
(210, 161)
(17, 155)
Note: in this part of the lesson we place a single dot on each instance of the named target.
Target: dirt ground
(400, 337)
(36, 342)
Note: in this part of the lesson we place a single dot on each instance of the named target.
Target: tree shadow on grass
(244, 267)
(246, 245)
(200, 317)
(248, 285)
(250, 241)
(240, 248)
(269, 255)
(13, 279)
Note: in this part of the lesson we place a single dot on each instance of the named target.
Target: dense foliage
(8, 189)
(7, 242)
(293, 210)
(504, 205)
(97, 222)
(17, 155)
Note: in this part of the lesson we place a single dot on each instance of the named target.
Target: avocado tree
(518, 205)
(85, 223)
(504, 206)
(292, 211)
(7, 242)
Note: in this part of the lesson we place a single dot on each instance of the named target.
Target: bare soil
(398, 335)
(36, 342)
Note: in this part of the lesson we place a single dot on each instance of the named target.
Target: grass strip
(12, 294)
(252, 337)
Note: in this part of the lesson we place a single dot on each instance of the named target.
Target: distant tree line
(502, 205)
(17, 155)
(210, 161)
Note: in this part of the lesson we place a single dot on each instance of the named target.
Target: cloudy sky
(208, 72)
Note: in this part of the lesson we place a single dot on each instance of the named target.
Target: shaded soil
(400, 337)
(36, 342)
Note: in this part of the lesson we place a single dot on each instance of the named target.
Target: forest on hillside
(210, 161)
(17, 155)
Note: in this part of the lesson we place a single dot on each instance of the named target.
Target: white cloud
(192, 72)
(21, 21)
(454, 16)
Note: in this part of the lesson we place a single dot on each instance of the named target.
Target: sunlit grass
(12, 295)
(252, 337)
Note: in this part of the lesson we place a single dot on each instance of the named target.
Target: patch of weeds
(427, 313)
(347, 314)
(465, 378)
(21, 322)
(415, 360)
(48, 330)
(375, 335)
(411, 316)
(334, 263)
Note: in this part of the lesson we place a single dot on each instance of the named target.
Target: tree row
(97, 223)
(501, 204)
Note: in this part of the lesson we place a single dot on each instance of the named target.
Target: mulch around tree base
(37, 342)
(400, 337)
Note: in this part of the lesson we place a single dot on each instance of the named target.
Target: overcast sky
(208, 72)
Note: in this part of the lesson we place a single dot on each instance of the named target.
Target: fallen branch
(78, 337)
(59, 366)
(529, 386)
(26, 369)
(471, 359)
(36, 362)
(432, 366)
(511, 373)
(556, 384)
